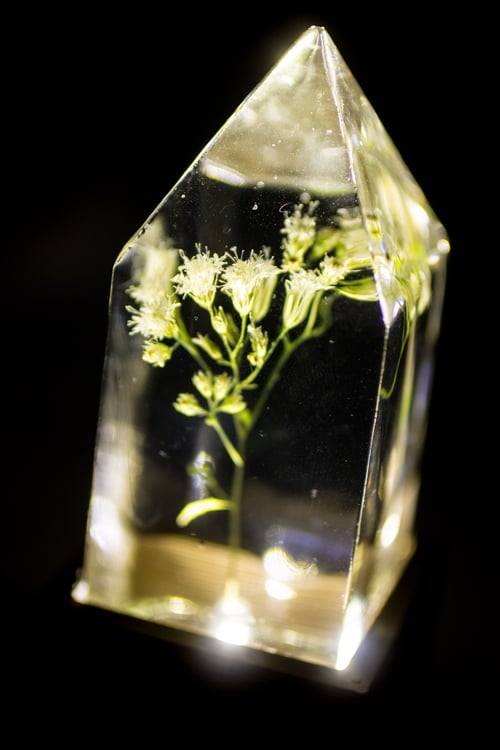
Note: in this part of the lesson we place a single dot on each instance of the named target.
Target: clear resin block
(266, 382)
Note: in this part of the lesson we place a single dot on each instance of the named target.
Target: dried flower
(301, 288)
(243, 278)
(299, 232)
(156, 353)
(197, 277)
(154, 319)
(316, 262)
(155, 276)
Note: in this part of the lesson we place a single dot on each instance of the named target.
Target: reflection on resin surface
(267, 377)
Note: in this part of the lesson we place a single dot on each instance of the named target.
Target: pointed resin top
(308, 127)
(290, 130)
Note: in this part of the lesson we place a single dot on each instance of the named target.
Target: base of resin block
(176, 583)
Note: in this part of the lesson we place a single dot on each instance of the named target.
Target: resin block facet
(266, 383)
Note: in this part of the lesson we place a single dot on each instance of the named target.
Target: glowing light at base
(181, 606)
(352, 634)
(282, 569)
(233, 620)
(80, 591)
(279, 590)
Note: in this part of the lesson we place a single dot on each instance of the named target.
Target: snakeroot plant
(267, 375)
(236, 365)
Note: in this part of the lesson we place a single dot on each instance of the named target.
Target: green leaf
(199, 507)
(360, 289)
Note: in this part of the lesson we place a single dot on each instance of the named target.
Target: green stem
(313, 314)
(235, 512)
(273, 378)
(251, 377)
(235, 356)
(289, 348)
(186, 342)
(231, 450)
(224, 339)
(234, 540)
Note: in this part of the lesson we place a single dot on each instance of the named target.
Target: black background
(102, 115)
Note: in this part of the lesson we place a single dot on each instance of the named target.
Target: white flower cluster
(249, 283)
(229, 360)
(234, 292)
